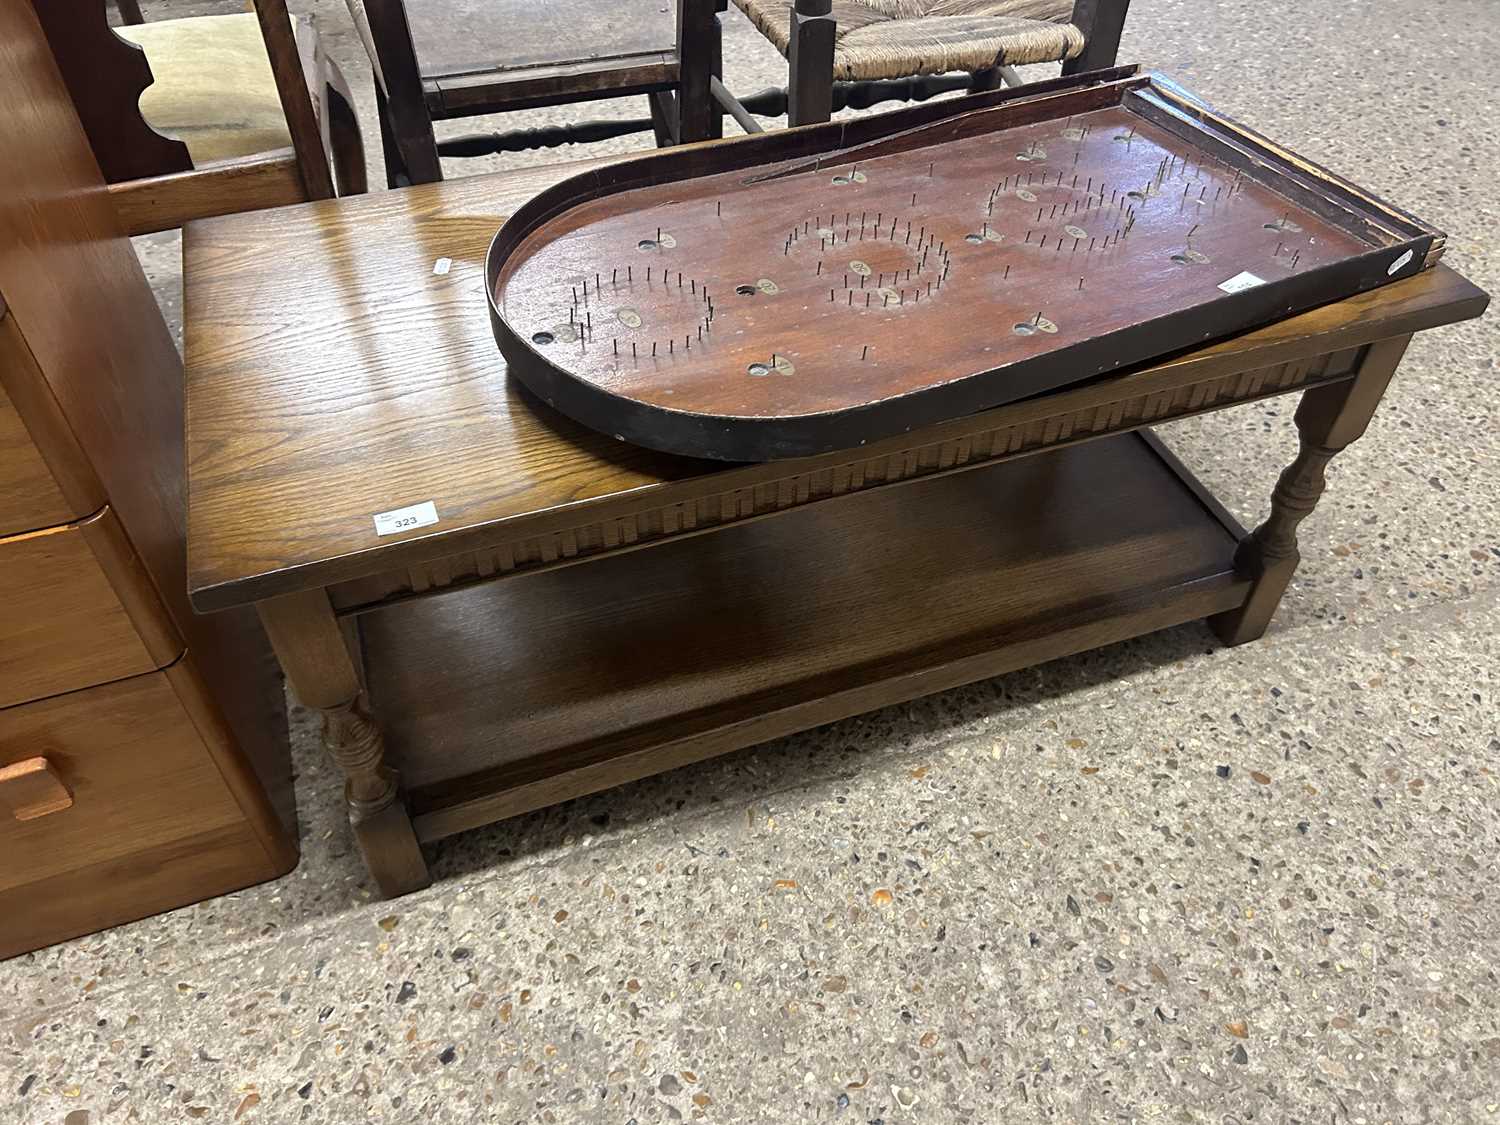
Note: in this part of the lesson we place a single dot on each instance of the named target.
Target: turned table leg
(317, 661)
(1328, 418)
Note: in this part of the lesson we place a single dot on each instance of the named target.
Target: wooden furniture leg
(316, 659)
(405, 124)
(1328, 418)
(810, 60)
(699, 57)
(346, 144)
(986, 79)
(664, 122)
(1102, 23)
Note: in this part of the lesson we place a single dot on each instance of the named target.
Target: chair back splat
(206, 115)
(105, 76)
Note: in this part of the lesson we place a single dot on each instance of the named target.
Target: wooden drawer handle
(31, 788)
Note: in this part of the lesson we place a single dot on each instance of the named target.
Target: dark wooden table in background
(340, 364)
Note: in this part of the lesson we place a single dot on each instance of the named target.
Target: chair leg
(663, 117)
(1102, 22)
(699, 58)
(986, 79)
(405, 125)
(396, 175)
(345, 140)
(810, 60)
(130, 11)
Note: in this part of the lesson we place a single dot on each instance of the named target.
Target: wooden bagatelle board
(822, 288)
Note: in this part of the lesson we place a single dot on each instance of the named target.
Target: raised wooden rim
(743, 438)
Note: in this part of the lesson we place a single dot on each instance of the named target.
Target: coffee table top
(340, 364)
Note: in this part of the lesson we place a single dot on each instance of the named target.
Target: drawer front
(29, 497)
(64, 626)
(133, 768)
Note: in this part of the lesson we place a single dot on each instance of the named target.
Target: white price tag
(441, 266)
(1240, 282)
(405, 519)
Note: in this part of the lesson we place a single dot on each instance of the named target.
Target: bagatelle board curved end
(817, 289)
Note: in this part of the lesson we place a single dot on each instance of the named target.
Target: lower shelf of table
(504, 698)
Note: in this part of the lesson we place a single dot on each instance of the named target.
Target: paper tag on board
(441, 266)
(404, 519)
(1399, 262)
(1241, 281)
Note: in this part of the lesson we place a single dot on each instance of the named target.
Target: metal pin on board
(1007, 274)
(632, 349)
(865, 351)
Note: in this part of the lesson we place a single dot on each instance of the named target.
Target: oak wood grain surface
(153, 203)
(64, 625)
(29, 497)
(136, 767)
(99, 387)
(334, 372)
(130, 886)
(773, 609)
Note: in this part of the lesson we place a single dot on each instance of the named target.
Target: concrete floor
(1032, 899)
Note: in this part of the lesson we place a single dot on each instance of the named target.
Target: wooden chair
(208, 115)
(833, 46)
(443, 59)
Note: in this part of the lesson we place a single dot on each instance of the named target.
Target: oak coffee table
(495, 609)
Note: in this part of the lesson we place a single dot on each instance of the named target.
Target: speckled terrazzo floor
(1164, 881)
